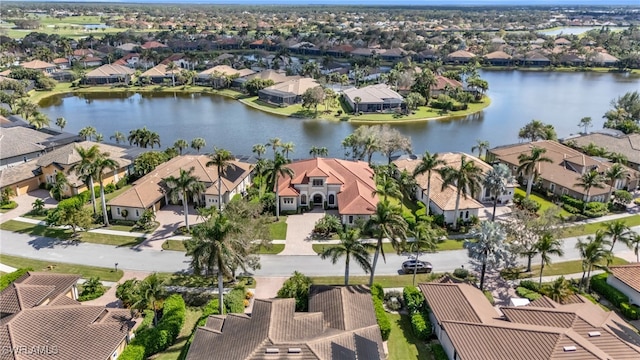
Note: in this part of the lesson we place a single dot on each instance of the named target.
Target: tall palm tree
(151, 290)
(274, 143)
(59, 186)
(61, 123)
(171, 68)
(424, 238)
(198, 143)
(101, 164)
(386, 222)
(215, 245)
(222, 160)
(481, 146)
(318, 151)
(529, 165)
(386, 186)
(592, 252)
(497, 180)
(118, 137)
(559, 291)
(184, 185)
(589, 180)
(287, 147)
(88, 132)
(617, 230)
(407, 186)
(615, 172)
(546, 246)
(276, 169)
(259, 150)
(356, 101)
(350, 246)
(428, 163)
(488, 247)
(84, 169)
(466, 179)
(181, 144)
(634, 244)
(39, 120)
(25, 108)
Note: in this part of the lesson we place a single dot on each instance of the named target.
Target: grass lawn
(66, 234)
(566, 267)
(173, 352)
(588, 229)
(423, 113)
(57, 267)
(387, 281)
(402, 344)
(544, 204)
(178, 245)
(445, 245)
(278, 230)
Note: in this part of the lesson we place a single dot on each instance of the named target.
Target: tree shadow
(404, 323)
(50, 243)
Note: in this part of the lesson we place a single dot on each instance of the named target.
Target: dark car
(409, 266)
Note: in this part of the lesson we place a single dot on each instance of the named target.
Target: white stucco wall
(634, 296)
(291, 205)
(116, 213)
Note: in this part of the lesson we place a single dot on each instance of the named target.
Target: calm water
(575, 30)
(561, 99)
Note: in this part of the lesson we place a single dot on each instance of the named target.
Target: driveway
(25, 202)
(299, 230)
(170, 218)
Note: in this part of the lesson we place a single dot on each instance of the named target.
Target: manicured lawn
(66, 234)
(544, 204)
(423, 113)
(387, 281)
(402, 344)
(178, 245)
(567, 267)
(445, 245)
(273, 249)
(57, 267)
(173, 352)
(278, 230)
(588, 229)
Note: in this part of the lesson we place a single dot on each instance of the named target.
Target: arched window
(466, 215)
(332, 199)
(303, 199)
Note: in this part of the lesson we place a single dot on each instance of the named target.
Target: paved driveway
(299, 229)
(170, 217)
(24, 204)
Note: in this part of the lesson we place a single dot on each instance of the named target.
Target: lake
(576, 30)
(558, 98)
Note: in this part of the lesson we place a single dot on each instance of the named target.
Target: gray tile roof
(18, 141)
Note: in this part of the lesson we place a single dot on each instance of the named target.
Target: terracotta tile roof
(498, 55)
(172, 58)
(37, 65)
(149, 189)
(225, 70)
(442, 82)
(61, 61)
(153, 45)
(275, 330)
(461, 54)
(275, 76)
(160, 70)
(354, 177)
(628, 274)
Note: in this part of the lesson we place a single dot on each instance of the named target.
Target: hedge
(571, 201)
(377, 291)
(234, 300)
(630, 311)
(9, 206)
(596, 209)
(531, 285)
(413, 299)
(8, 279)
(212, 308)
(421, 325)
(147, 320)
(132, 352)
(571, 209)
(382, 318)
(599, 285)
(528, 294)
(438, 352)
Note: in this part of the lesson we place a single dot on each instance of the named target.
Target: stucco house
(159, 74)
(150, 192)
(287, 93)
(19, 144)
(216, 75)
(374, 98)
(40, 65)
(340, 184)
(42, 318)
(614, 141)
(109, 74)
(442, 84)
(470, 328)
(443, 200)
(460, 57)
(626, 278)
(499, 58)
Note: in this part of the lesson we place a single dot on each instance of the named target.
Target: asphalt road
(54, 250)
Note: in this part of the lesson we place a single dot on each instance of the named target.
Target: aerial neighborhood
(199, 181)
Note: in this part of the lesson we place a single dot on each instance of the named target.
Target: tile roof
(628, 274)
(461, 54)
(442, 82)
(374, 94)
(225, 70)
(14, 174)
(110, 70)
(37, 65)
(68, 155)
(17, 141)
(149, 189)
(295, 87)
(153, 45)
(160, 70)
(457, 302)
(340, 325)
(355, 178)
(628, 145)
(276, 76)
(498, 55)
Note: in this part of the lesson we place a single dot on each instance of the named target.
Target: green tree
(318, 151)
(586, 123)
(537, 130)
(118, 137)
(489, 248)
(614, 173)
(529, 165)
(424, 238)
(84, 169)
(559, 291)
(276, 169)
(37, 207)
(350, 246)
(297, 287)
(172, 68)
(274, 143)
(386, 186)
(634, 244)
(183, 186)
(128, 293)
(39, 120)
(151, 290)
(148, 161)
(25, 108)
(546, 246)
(356, 101)
(222, 160)
(59, 186)
(428, 163)
(423, 82)
(181, 144)
(407, 186)
(497, 181)
(88, 132)
(259, 150)
(287, 148)
(466, 179)
(102, 164)
(592, 253)
(617, 230)
(386, 222)
(481, 146)
(589, 180)
(197, 144)
(61, 123)
(7, 194)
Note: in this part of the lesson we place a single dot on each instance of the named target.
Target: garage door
(27, 185)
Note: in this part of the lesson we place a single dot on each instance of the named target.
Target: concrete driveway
(25, 202)
(170, 217)
(299, 230)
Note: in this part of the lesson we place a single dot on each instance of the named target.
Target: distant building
(287, 93)
(374, 98)
(109, 74)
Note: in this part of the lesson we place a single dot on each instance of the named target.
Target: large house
(160, 74)
(613, 141)
(40, 65)
(40, 317)
(149, 192)
(221, 75)
(109, 74)
(442, 84)
(469, 328)
(287, 93)
(443, 200)
(626, 278)
(20, 144)
(374, 98)
(346, 185)
(341, 324)
(562, 174)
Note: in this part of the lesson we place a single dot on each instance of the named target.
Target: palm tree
(84, 168)
(386, 222)
(197, 144)
(559, 290)
(407, 186)
(356, 101)
(592, 252)
(529, 165)
(428, 163)
(259, 150)
(274, 143)
(481, 146)
(181, 144)
(25, 108)
(497, 180)
(424, 238)
(59, 186)
(172, 67)
(61, 123)
(617, 230)
(101, 164)
(586, 123)
(634, 244)
(547, 245)
(118, 137)
(614, 173)
(184, 185)
(151, 290)
(88, 132)
(350, 246)
(222, 160)
(287, 147)
(589, 180)
(318, 151)
(467, 179)
(39, 120)
(490, 237)
(276, 169)
(216, 245)
(386, 186)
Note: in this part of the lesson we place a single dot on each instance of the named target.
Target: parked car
(409, 266)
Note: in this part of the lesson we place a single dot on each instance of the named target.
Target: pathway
(266, 288)
(25, 202)
(299, 230)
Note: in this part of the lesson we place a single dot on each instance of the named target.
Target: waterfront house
(499, 58)
(62, 63)
(340, 50)
(469, 327)
(364, 52)
(442, 84)
(428, 55)
(347, 186)
(604, 59)
(442, 200)
(626, 278)
(150, 192)
(89, 61)
(571, 59)
(287, 93)
(221, 76)
(394, 54)
(159, 74)
(459, 57)
(533, 58)
(374, 98)
(276, 76)
(340, 324)
(108, 75)
(42, 318)
(613, 141)
(39, 65)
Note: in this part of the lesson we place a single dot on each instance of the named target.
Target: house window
(137, 213)
(350, 219)
(552, 187)
(288, 200)
(303, 199)
(118, 211)
(317, 182)
(332, 199)
(466, 215)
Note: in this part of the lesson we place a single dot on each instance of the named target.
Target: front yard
(61, 268)
(402, 343)
(178, 245)
(387, 281)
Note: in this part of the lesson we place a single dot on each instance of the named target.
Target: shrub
(8, 279)
(382, 318)
(527, 294)
(109, 188)
(132, 352)
(530, 205)
(489, 297)
(122, 182)
(10, 205)
(530, 285)
(630, 311)
(377, 291)
(622, 197)
(571, 201)
(571, 209)
(599, 285)
(420, 325)
(297, 287)
(147, 320)
(157, 339)
(461, 273)
(438, 352)
(413, 299)
(392, 300)
(409, 218)
(234, 301)
(91, 289)
(327, 225)
(595, 209)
